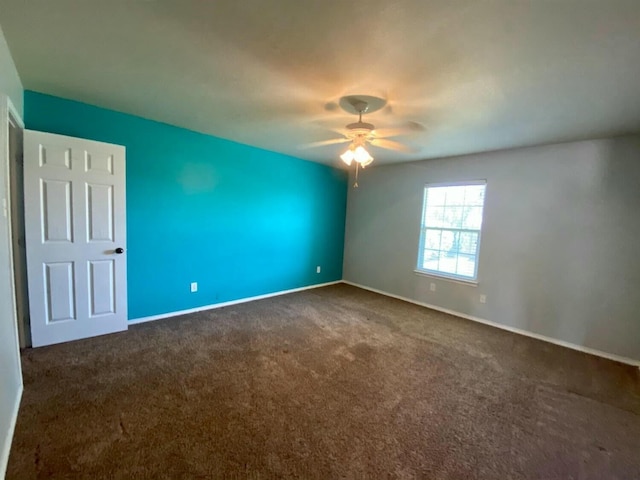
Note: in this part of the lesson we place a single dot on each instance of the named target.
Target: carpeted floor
(329, 383)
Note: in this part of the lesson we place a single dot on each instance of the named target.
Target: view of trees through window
(451, 224)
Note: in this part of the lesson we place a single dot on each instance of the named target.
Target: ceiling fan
(360, 134)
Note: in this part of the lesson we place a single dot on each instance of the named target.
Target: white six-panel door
(75, 237)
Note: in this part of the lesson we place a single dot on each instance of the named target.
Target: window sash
(457, 233)
(457, 254)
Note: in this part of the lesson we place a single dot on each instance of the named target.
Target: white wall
(10, 374)
(560, 248)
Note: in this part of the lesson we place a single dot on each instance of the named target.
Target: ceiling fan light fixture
(362, 156)
(348, 156)
(357, 153)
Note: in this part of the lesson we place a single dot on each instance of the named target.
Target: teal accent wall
(238, 220)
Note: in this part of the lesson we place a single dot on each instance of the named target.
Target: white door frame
(16, 192)
(7, 111)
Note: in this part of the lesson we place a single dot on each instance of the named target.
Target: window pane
(433, 216)
(466, 265)
(455, 195)
(436, 196)
(452, 217)
(432, 239)
(430, 260)
(455, 244)
(447, 262)
(474, 195)
(447, 240)
(472, 218)
(468, 242)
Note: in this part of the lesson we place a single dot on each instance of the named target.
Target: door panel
(100, 164)
(100, 211)
(56, 211)
(74, 222)
(60, 288)
(102, 287)
(54, 156)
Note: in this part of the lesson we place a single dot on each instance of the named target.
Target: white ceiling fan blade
(391, 145)
(412, 127)
(324, 143)
(391, 132)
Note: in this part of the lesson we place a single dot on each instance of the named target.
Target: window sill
(469, 283)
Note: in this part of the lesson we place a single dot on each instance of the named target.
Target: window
(450, 232)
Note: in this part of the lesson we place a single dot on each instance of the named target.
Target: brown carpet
(329, 383)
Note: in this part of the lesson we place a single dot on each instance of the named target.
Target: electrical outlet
(318, 269)
(432, 287)
(483, 299)
(194, 287)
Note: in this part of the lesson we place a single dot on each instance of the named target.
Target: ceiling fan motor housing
(360, 128)
(360, 104)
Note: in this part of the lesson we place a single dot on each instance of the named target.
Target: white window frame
(435, 273)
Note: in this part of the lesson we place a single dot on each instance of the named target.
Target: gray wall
(10, 374)
(560, 246)
(10, 83)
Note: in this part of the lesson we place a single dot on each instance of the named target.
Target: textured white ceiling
(479, 75)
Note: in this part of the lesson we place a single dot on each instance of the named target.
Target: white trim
(226, 304)
(526, 333)
(438, 276)
(21, 326)
(7, 110)
(4, 455)
(14, 113)
(460, 183)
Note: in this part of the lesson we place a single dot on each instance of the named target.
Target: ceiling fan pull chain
(355, 185)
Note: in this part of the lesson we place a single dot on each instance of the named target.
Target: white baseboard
(226, 304)
(562, 343)
(6, 449)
